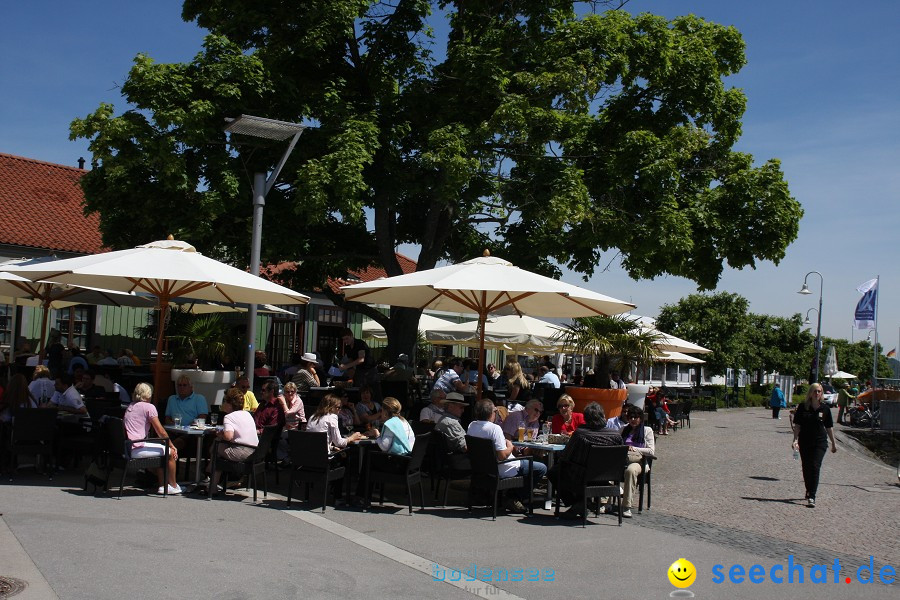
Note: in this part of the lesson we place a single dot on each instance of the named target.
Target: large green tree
(544, 131)
(718, 322)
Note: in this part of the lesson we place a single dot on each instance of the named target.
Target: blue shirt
(550, 378)
(447, 382)
(189, 408)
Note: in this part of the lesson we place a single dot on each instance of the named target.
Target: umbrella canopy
(482, 286)
(669, 342)
(20, 290)
(165, 269)
(842, 375)
(509, 330)
(678, 357)
(373, 330)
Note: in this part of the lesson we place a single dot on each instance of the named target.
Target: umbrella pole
(482, 318)
(44, 319)
(158, 375)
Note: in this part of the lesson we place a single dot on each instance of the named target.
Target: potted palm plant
(618, 342)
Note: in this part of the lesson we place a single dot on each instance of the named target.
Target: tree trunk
(602, 371)
(402, 331)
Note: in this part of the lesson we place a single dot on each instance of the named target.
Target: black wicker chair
(119, 448)
(384, 468)
(601, 476)
(486, 473)
(252, 467)
(311, 463)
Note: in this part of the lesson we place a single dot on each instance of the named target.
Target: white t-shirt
(244, 428)
(492, 431)
(42, 389)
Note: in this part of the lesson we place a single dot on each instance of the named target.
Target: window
(330, 314)
(75, 325)
(6, 312)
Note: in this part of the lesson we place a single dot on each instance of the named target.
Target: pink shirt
(244, 427)
(137, 421)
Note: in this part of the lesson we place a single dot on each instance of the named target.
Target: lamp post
(805, 291)
(269, 129)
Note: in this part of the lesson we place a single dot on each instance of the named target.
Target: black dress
(813, 442)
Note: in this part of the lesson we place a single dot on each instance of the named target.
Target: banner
(864, 317)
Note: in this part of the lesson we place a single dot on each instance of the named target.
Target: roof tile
(44, 203)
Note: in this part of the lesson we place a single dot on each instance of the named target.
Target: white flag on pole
(864, 317)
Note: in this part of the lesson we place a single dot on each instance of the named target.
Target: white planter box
(211, 384)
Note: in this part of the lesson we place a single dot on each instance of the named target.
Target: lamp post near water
(805, 291)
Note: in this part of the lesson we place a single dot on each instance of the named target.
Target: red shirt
(558, 426)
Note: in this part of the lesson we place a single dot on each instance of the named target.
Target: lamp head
(804, 290)
(807, 322)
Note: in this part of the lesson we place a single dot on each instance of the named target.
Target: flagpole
(875, 352)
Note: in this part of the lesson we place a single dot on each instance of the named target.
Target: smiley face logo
(682, 573)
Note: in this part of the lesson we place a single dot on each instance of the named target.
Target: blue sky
(821, 83)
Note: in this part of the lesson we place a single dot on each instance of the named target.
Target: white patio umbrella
(678, 357)
(667, 341)
(165, 269)
(842, 375)
(509, 330)
(483, 286)
(15, 289)
(373, 330)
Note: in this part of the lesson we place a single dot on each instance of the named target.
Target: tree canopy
(538, 129)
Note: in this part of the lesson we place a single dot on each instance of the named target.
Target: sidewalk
(725, 492)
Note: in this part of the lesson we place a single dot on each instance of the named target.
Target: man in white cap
(449, 425)
(306, 376)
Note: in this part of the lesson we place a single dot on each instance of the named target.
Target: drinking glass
(177, 420)
(214, 418)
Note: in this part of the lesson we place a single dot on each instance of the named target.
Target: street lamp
(805, 291)
(806, 321)
(269, 129)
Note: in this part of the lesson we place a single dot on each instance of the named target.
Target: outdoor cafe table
(551, 450)
(198, 434)
(357, 456)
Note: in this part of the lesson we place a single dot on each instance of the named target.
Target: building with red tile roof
(42, 204)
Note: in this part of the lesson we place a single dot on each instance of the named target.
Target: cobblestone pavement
(751, 495)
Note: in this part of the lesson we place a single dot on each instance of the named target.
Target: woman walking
(813, 428)
(776, 401)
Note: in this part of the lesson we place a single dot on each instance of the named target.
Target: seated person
(250, 401)
(574, 456)
(566, 421)
(484, 427)
(66, 398)
(325, 419)
(238, 428)
(187, 405)
(434, 411)
(140, 417)
(77, 360)
(348, 418)
(396, 437)
(42, 386)
(529, 418)
(292, 405)
(368, 410)
(639, 439)
(449, 425)
(450, 380)
(306, 376)
(88, 388)
(270, 413)
(548, 377)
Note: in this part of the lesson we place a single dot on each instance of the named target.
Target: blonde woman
(519, 387)
(140, 417)
(567, 420)
(397, 436)
(813, 428)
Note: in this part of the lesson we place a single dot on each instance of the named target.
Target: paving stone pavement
(731, 479)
